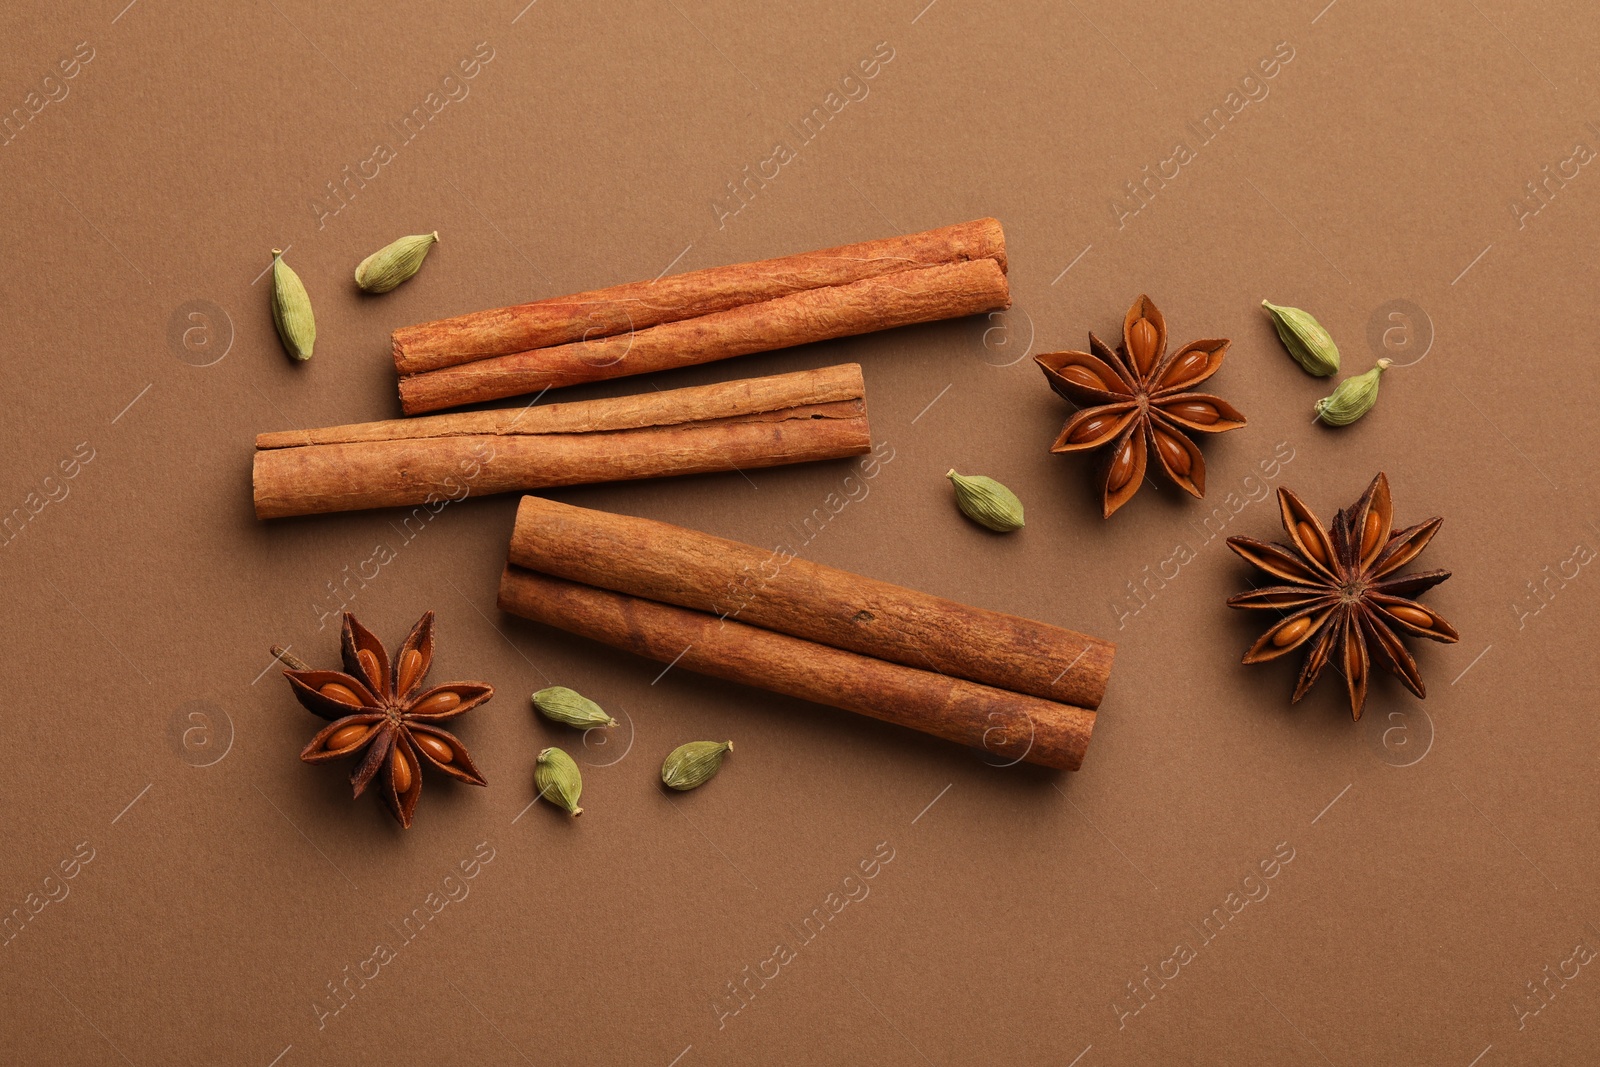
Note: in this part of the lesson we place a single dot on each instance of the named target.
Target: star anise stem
(289, 659)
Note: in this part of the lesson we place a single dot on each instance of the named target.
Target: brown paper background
(1443, 852)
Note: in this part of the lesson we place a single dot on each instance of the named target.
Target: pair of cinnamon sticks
(634, 329)
(1017, 689)
(703, 315)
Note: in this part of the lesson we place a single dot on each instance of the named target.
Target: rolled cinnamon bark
(902, 298)
(638, 305)
(1010, 726)
(773, 589)
(758, 422)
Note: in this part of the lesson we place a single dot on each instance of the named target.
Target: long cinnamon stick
(1010, 726)
(638, 305)
(758, 422)
(902, 298)
(774, 589)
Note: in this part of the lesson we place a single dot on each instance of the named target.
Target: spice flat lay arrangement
(1050, 535)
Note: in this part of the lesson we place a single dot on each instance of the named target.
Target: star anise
(382, 714)
(1137, 399)
(1344, 600)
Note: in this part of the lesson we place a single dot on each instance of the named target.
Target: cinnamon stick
(1010, 726)
(638, 305)
(902, 298)
(771, 588)
(758, 422)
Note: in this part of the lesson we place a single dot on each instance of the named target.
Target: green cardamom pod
(1306, 340)
(986, 502)
(1352, 398)
(291, 309)
(394, 263)
(571, 707)
(558, 779)
(693, 764)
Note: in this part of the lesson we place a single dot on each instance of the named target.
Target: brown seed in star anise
(382, 714)
(1136, 401)
(1343, 598)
